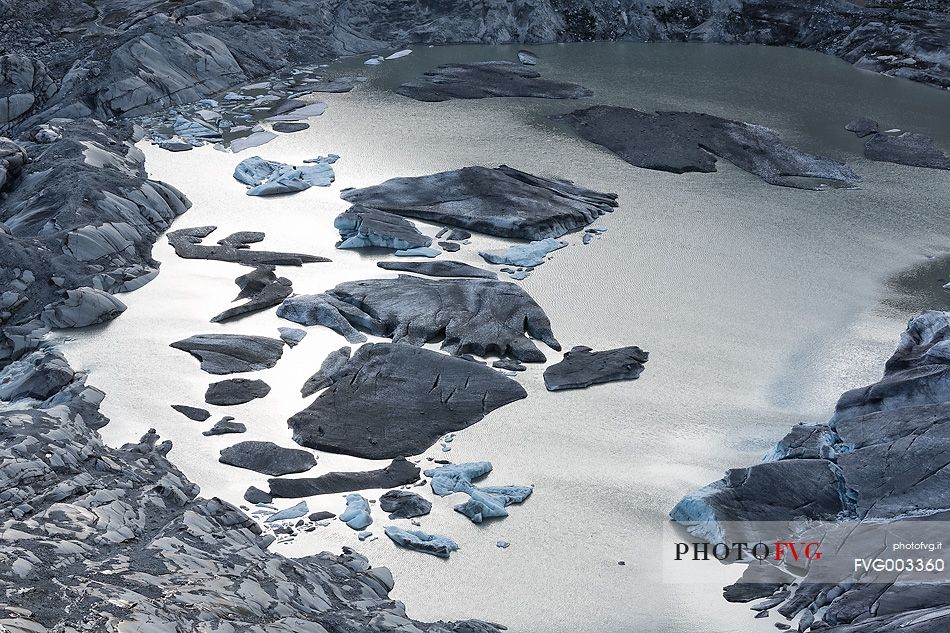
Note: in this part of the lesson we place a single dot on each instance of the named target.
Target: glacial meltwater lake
(758, 304)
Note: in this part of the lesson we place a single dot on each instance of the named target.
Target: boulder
(187, 244)
(267, 458)
(232, 353)
(583, 367)
(681, 142)
(403, 504)
(504, 202)
(392, 400)
(471, 316)
(235, 391)
(192, 413)
(443, 268)
(487, 79)
(398, 473)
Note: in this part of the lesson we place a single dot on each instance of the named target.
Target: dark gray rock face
(906, 148)
(392, 400)
(440, 268)
(54, 467)
(41, 375)
(403, 504)
(361, 227)
(192, 413)
(187, 244)
(472, 316)
(235, 391)
(503, 201)
(583, 367)
(289, 127)
(884, 460)
(329, 371)
(267, 458)
(681, 142)
(400, 472)
(256, 495)
(487, 79)
(232, 353)
(862, 127)
(262, 289)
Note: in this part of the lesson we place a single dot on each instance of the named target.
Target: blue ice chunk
(294, 512)
(357, 511)
(420, 541)
(421, 251)
(530, 254)
(456, 477)
(490, 502)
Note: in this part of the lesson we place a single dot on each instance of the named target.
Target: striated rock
(232, 353)
(357, 513)
(82, 307)
(583, 367)
(192, 413)
(681, 142)
(399, 473)
(187, 244)
(471, 316)
(442, 268)
(332, 367)
(267, 458)
(361, 227)
(403, 504)
(434, 544)
(272, 291)
(906, 148)
(487, 79)
(235, 391)
(392, 400)
(531, 254)
(503, 201)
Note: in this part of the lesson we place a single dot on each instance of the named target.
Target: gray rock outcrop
(393, 400)
(232, 353)
(470, 315)
(487, 79)
(681, 142)
(503, 201)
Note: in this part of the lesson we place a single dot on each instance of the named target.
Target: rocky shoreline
(881, 460)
